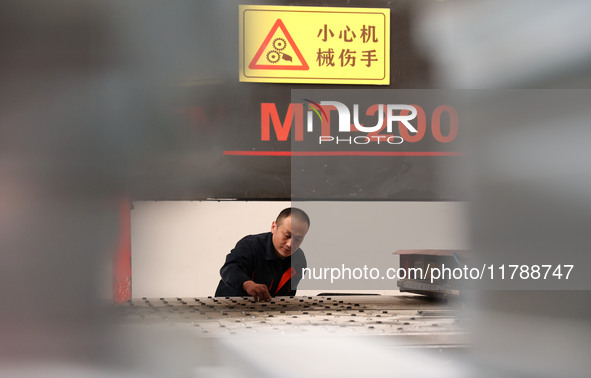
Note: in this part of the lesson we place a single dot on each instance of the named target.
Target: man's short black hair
(298, 213)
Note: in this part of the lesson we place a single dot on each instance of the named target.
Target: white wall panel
(178, 247)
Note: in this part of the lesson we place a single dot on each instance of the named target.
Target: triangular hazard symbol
(274, 51)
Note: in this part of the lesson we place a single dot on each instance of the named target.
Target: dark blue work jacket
(254, 259)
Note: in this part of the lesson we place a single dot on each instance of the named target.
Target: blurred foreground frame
(83, 103)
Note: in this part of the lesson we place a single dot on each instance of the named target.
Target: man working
(267, 264)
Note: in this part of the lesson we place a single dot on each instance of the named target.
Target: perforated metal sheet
(411, 319)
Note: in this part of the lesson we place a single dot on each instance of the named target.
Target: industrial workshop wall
(178, 247)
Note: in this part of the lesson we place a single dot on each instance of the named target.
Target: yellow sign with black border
(321, 45)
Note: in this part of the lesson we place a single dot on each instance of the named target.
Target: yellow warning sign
(285, 44)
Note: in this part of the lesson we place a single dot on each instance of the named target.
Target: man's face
(288, 235)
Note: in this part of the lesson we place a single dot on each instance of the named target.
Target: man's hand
(259, 292)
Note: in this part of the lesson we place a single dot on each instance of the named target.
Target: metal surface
(411, 320)
(424, 259)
